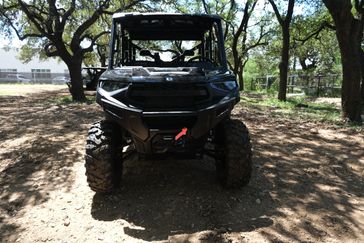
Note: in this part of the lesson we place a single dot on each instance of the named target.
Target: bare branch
(7, 8)
(16, 30)
(125, 7)
(93, 41)
(248, 9)
(48, 50)
(276, 11)
(205, 6)
(230, 65)
(227, 21)
(68, 13)
(289, 15)
(36, 20)
(288, 18)
(75, 43)
(324, 25)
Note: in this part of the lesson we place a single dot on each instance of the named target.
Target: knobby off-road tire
(103, 157)
(234, 165)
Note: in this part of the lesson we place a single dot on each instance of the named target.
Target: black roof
(165, 26)
(157, 14)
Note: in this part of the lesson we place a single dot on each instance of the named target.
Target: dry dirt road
(307, 184)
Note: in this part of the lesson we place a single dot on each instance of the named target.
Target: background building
(36, 70)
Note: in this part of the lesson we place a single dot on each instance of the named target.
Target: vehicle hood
(157, 74)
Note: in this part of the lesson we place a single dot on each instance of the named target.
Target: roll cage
(167, 40)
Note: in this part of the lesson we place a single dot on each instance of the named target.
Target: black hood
(170, 74)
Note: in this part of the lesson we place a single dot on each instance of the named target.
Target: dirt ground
(307, 183)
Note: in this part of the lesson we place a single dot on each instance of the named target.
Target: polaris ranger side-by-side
(167, 93)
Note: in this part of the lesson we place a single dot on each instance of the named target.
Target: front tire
(103, 157)
(234, 162)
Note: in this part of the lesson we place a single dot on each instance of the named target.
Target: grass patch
(295, 108)
(67, 99)
(62, 100)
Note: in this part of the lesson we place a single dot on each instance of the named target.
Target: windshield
(166, 42)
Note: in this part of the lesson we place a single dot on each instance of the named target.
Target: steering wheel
(178, 58)
(206, 59)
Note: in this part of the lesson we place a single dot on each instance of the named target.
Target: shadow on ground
(303, 189)
(306, 187)
(164, 198)
(316, 173)
(37, 152)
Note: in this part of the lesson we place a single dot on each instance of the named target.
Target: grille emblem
(169, 79)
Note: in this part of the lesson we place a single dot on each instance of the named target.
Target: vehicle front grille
(170, 122)
(167, 96)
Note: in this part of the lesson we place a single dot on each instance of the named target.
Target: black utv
(167, 93)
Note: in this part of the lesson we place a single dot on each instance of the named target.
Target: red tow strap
(181, 133)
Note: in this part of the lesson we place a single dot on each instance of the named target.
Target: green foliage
(315, 45)
(244, 27)
(62, 100)
(294, 108)
(65, 29)
(39, 28)
(314, 48)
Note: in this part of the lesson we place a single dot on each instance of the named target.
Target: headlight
(113, 85)
(227, 85)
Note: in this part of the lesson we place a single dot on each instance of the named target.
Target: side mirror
(145, 53)
(188, 53)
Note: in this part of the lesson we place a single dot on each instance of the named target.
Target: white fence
(33, 78)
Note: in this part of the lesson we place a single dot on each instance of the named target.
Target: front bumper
(153, 139)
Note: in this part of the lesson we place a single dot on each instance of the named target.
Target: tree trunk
(241, 79)
(283, 65)
(285, 23)
(361, 52)
(348, 35)
(362, 86)
(362, 76)
(75, 69)
(351, 64)
(351, 100)
(101, 50)
(103, 61)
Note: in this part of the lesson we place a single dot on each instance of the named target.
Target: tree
(238, 37)
(99, 57)
(359, 6)
(314, 42)
(61, 27)
(362, 64)
(240, 46)
(285, 23)
(349, 33)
